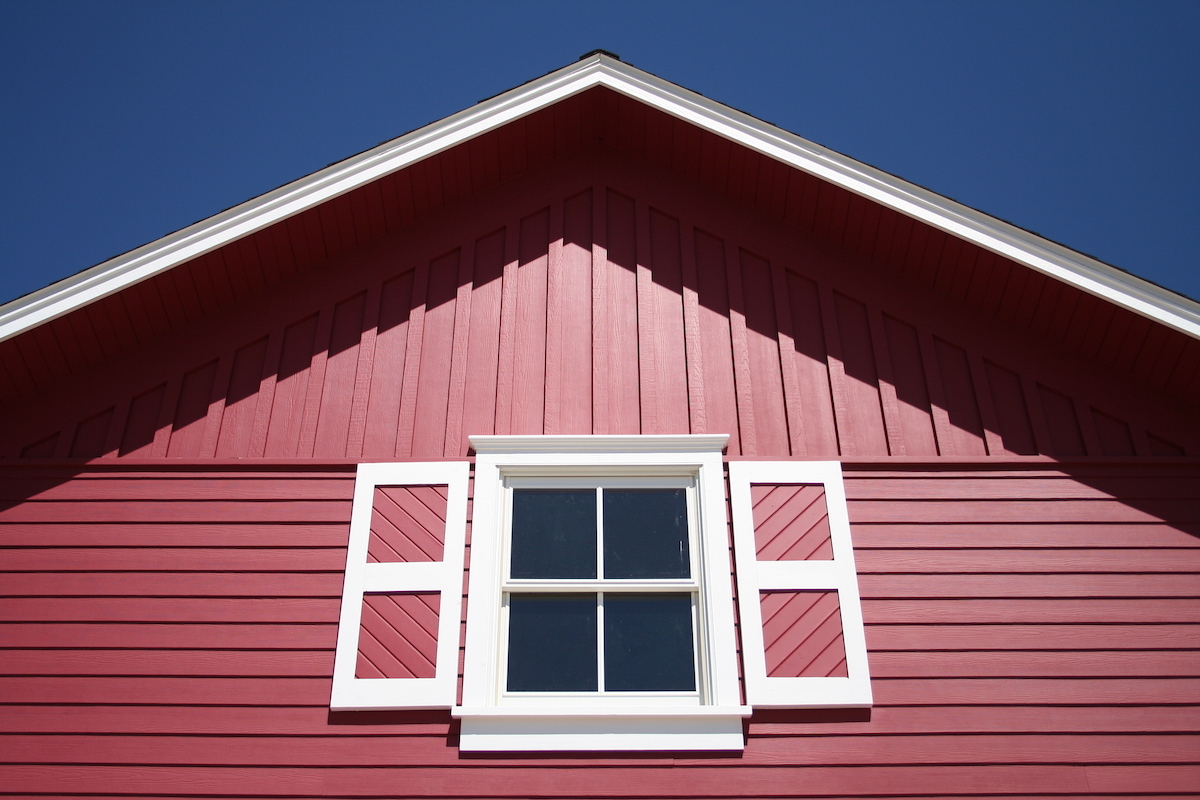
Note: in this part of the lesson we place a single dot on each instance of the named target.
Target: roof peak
(599, 52)
(602, 68)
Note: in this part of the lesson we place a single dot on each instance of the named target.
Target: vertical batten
(356, 432)
(529, 355)
(600, 326)
(1043, 441)
(762, 346)
(716, 347)
(887, 385)
(624, 359)
(962, 403)
(693, 352)
(391, 348)
(437, 347)
(648, 325)
(238, 417)
(508, 313)
(407, 409)
(552, 419)
(116, 431)
(797, 440)
(993, 444)
(315, 389)
(810, 357)
(748, 436)
(483, 340)
(338, 384)
(667, 293)
(454, 443)
(576, 316)
(837, 372)
(265, 400)
(937, 395)
(1087, 428)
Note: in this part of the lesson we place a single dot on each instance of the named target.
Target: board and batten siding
(1033, 629)
(609, 300)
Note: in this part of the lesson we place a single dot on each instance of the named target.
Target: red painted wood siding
(1056, 315)
(1032, 631)
(602, 299)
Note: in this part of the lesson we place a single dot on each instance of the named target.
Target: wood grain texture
(198, 650)
(168, 629)
(398, 636)
(402, 347)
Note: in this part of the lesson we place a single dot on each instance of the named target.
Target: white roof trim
(1076, 269)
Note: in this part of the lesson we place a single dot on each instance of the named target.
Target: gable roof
(599, 69)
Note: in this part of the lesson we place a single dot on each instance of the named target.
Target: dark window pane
(648, 643)
(645, 533)
(552, 643)
(554, 534)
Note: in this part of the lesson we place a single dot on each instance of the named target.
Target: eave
(1056, 261)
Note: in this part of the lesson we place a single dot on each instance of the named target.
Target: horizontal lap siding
(192, 655)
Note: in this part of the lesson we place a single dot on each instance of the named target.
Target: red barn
(600, 441)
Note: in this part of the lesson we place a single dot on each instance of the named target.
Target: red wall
(172, 632)
(173, 520)
(602, 299)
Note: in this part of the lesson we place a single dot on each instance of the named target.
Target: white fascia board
(163, 254)
(1062, 263)
(1023, 247)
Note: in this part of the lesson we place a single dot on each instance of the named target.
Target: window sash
(599, 586)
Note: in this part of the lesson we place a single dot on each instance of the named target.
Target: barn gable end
(601, 252)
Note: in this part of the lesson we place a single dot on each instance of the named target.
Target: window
(600, 597)
(600, 606)
(600, 593)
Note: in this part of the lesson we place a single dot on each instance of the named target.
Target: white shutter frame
(838, 574)
(445, 577)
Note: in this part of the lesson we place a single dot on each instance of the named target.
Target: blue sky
(124, 121)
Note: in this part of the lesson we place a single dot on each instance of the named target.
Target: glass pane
(648, 643)
(554, 533)
(645, 533)
(552, 643)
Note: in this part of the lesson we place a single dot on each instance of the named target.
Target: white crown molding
(601, 443)
(1035, 252)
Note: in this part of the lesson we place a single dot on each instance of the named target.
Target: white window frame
(493, 720)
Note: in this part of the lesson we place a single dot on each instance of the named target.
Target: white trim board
(1035, 252)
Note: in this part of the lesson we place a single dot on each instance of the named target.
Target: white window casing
(756, 577)
(495, 720)
(709, 719)
(398, 578)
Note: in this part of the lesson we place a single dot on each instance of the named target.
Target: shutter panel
(398, 632)
(801, 619)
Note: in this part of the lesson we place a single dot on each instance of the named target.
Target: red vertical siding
(624, 306)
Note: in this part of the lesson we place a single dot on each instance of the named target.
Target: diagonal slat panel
(802, 633)
(408, 523)
(791, 523)
(398, 637)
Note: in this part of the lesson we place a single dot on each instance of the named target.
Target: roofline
(1074, 268)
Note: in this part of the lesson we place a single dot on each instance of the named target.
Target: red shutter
(801, 619)
(402, 598)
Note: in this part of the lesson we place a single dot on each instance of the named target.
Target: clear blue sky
(123, 121)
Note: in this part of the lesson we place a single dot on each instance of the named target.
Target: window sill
(567, 728)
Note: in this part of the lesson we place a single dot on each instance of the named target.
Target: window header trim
(664, 443)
